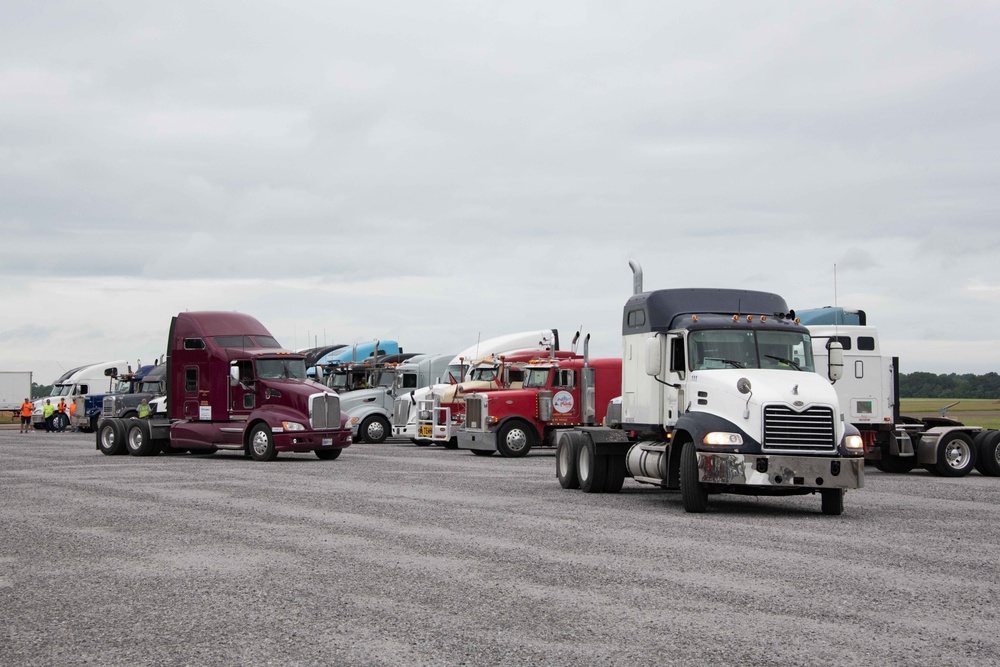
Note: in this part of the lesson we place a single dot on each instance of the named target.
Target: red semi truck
(555, 394)
(230, 385)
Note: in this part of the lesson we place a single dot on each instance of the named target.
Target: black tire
(832, 501)
(956, 457)
(329, 454)
(452, 443)
(567, 451)
(129, 414)
(420, 443)
(693, 493)
(93, 424)
(515, 439)
(988, 459)
(482, 452)
(616, 473)
(896, 464)
(111, 437)
(374, 429)
(203, 451)
(591, 469)
(261, 443)
(137, 440)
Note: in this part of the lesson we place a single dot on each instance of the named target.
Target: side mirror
(234, 374)
(653, 361)
(836, 370)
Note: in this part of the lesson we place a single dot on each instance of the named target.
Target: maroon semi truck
(230, 385)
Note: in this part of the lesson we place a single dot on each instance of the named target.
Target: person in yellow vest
(144, 409)
(48, 412)
(62, 411)
(26, 409)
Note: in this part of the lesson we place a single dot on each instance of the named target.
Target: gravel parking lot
(403, 555)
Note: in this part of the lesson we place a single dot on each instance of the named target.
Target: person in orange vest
(26, 409)
(63, 417)
(72, 413)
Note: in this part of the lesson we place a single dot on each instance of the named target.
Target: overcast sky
(436, 171)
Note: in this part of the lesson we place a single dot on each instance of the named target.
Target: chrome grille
(324, 411)
(401, 410)
(475, 410)
(809, 430)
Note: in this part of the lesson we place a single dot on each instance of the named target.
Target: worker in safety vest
(26, 409)
(63, 411)
(48, 412)
(144, 409)
(72, 414)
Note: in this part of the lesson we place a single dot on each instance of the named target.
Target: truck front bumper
(307, 441)
(781, 471)
(484, 440)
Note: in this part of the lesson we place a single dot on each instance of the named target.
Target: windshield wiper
(784, 361)
(734, 364)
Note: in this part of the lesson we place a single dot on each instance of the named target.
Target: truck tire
(203, 451)
(591, 469)
(482, 452)
(988, 459)
(137, 439)
(261, 443)
(111, 437)
(567, 452)
(615, 473)
(896, 464)
(693, 493)
(956, 456)
(515, 439)
(374, 429)
(328, 454)
(832, 501)
(451, 443)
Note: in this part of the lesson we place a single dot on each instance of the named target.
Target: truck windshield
(733, 348)
(277, 369)
(536, 377)
(483, 374)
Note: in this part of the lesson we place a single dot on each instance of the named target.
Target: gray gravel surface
(403, 555)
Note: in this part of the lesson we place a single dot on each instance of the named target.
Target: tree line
(952, 385)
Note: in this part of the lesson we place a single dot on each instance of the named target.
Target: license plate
(425, 431)
(327, 442)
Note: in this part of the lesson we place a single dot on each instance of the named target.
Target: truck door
(242, 389)
(566, 403)
(673, 396)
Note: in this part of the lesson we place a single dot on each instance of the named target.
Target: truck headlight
(293, 426)
(854, 442)
(722, 438)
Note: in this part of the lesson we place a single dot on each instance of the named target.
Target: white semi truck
(78, 383)
(719, 395)
(869, 392)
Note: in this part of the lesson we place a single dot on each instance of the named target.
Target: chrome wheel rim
(957, 454)
(516, 440)
(259, 443)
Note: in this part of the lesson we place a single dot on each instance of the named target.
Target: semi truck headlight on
(293, 426)
(722, 438)
(854, 442)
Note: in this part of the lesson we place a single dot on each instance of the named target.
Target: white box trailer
(15, 386)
